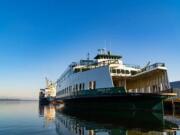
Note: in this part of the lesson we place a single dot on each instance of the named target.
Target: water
(28, 118)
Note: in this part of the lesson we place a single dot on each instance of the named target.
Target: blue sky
(40, 38)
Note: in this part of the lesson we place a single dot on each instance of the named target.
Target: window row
(122, 71)
(78, 87)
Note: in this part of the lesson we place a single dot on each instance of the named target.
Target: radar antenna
(88, 56)
(47, 82)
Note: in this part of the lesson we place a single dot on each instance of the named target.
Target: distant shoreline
(18, 100)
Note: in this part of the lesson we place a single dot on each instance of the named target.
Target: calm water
(28, 118)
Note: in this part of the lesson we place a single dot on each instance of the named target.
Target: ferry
(106, 83)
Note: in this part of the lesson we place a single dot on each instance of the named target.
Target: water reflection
(80, 122)
(49, 114)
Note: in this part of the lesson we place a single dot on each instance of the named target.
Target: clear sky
(40, 38)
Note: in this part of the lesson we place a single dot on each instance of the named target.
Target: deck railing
(153, 66)
(133, 66)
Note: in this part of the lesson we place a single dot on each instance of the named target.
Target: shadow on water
(93, 122)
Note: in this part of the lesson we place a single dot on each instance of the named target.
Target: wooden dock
(172, 105)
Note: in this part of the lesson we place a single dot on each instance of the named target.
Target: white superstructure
(49, 91)
(107, 71)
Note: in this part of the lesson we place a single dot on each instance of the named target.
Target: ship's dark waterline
(30, 118)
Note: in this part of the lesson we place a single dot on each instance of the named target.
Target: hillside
(175, 84)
